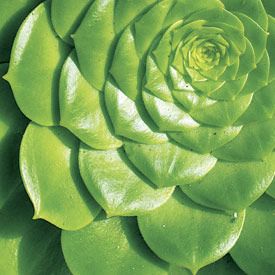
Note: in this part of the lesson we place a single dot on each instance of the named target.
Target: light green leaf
(254, 251)
(224, 266)
(233, 185)
(128, 120)
(168, 164)
(166, 115)
(251, 8)
(130, 9)
(66, 16)
(262, 106)
(149, 25)
(116, 185)
(181, 9)
(48, 163)
(82, 108)
(191, 99)
(247, 60)
(270, 46)
(37, 96)
(127, 75)
(255, 34)
(255, 141)
(205, 139)
(229, 90)
(155, 81)
(257, 78)
(110, 246)
(93, 42)
(185, 234)
(222, 113)
(271, 190)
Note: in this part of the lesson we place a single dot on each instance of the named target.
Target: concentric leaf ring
(159, 115)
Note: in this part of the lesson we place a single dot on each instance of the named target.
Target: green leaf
(128, 120)
(93, 42)
(166, 115)
(162, 52)
(222, 113)
(191, 99)
(216, 16)
(269, 6)
(233, 185)
(179, 82)
(224, 266)
(66, 16)
(12, 126)
(130, 9)
(13, 13)
(127, 74)
(231, 72)
(271, 190)
(110, 246)
(82, 108)
(270, 46)
(149, 25)
(205, 139)
(251, 8)
(254, 252)
(155, 81)
(116, 185)
(28, 247)
(48, 163)
(168, 164)
(229, 90)
(185, 234)
(257, 78)
(181, 9)
(37, 96)
(255, 34)
(262, 106)
(247, 60)
(255, 141)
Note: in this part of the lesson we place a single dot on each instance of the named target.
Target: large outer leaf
(224, 266)
(47, 173)
(46, 60)
(169, 164)
(28, 247)
(110, 246)
(82, 108)
(116, 185)
(133, 75)
(254, 251)
(189, 232)
(233, 185)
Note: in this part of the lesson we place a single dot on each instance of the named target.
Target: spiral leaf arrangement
(148, 142)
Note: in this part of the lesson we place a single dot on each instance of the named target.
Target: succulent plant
(142, 134)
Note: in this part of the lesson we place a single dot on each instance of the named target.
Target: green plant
(148, 142)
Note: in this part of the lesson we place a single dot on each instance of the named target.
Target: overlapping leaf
(129, 99)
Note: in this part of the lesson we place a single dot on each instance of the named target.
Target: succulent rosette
(142, 135)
